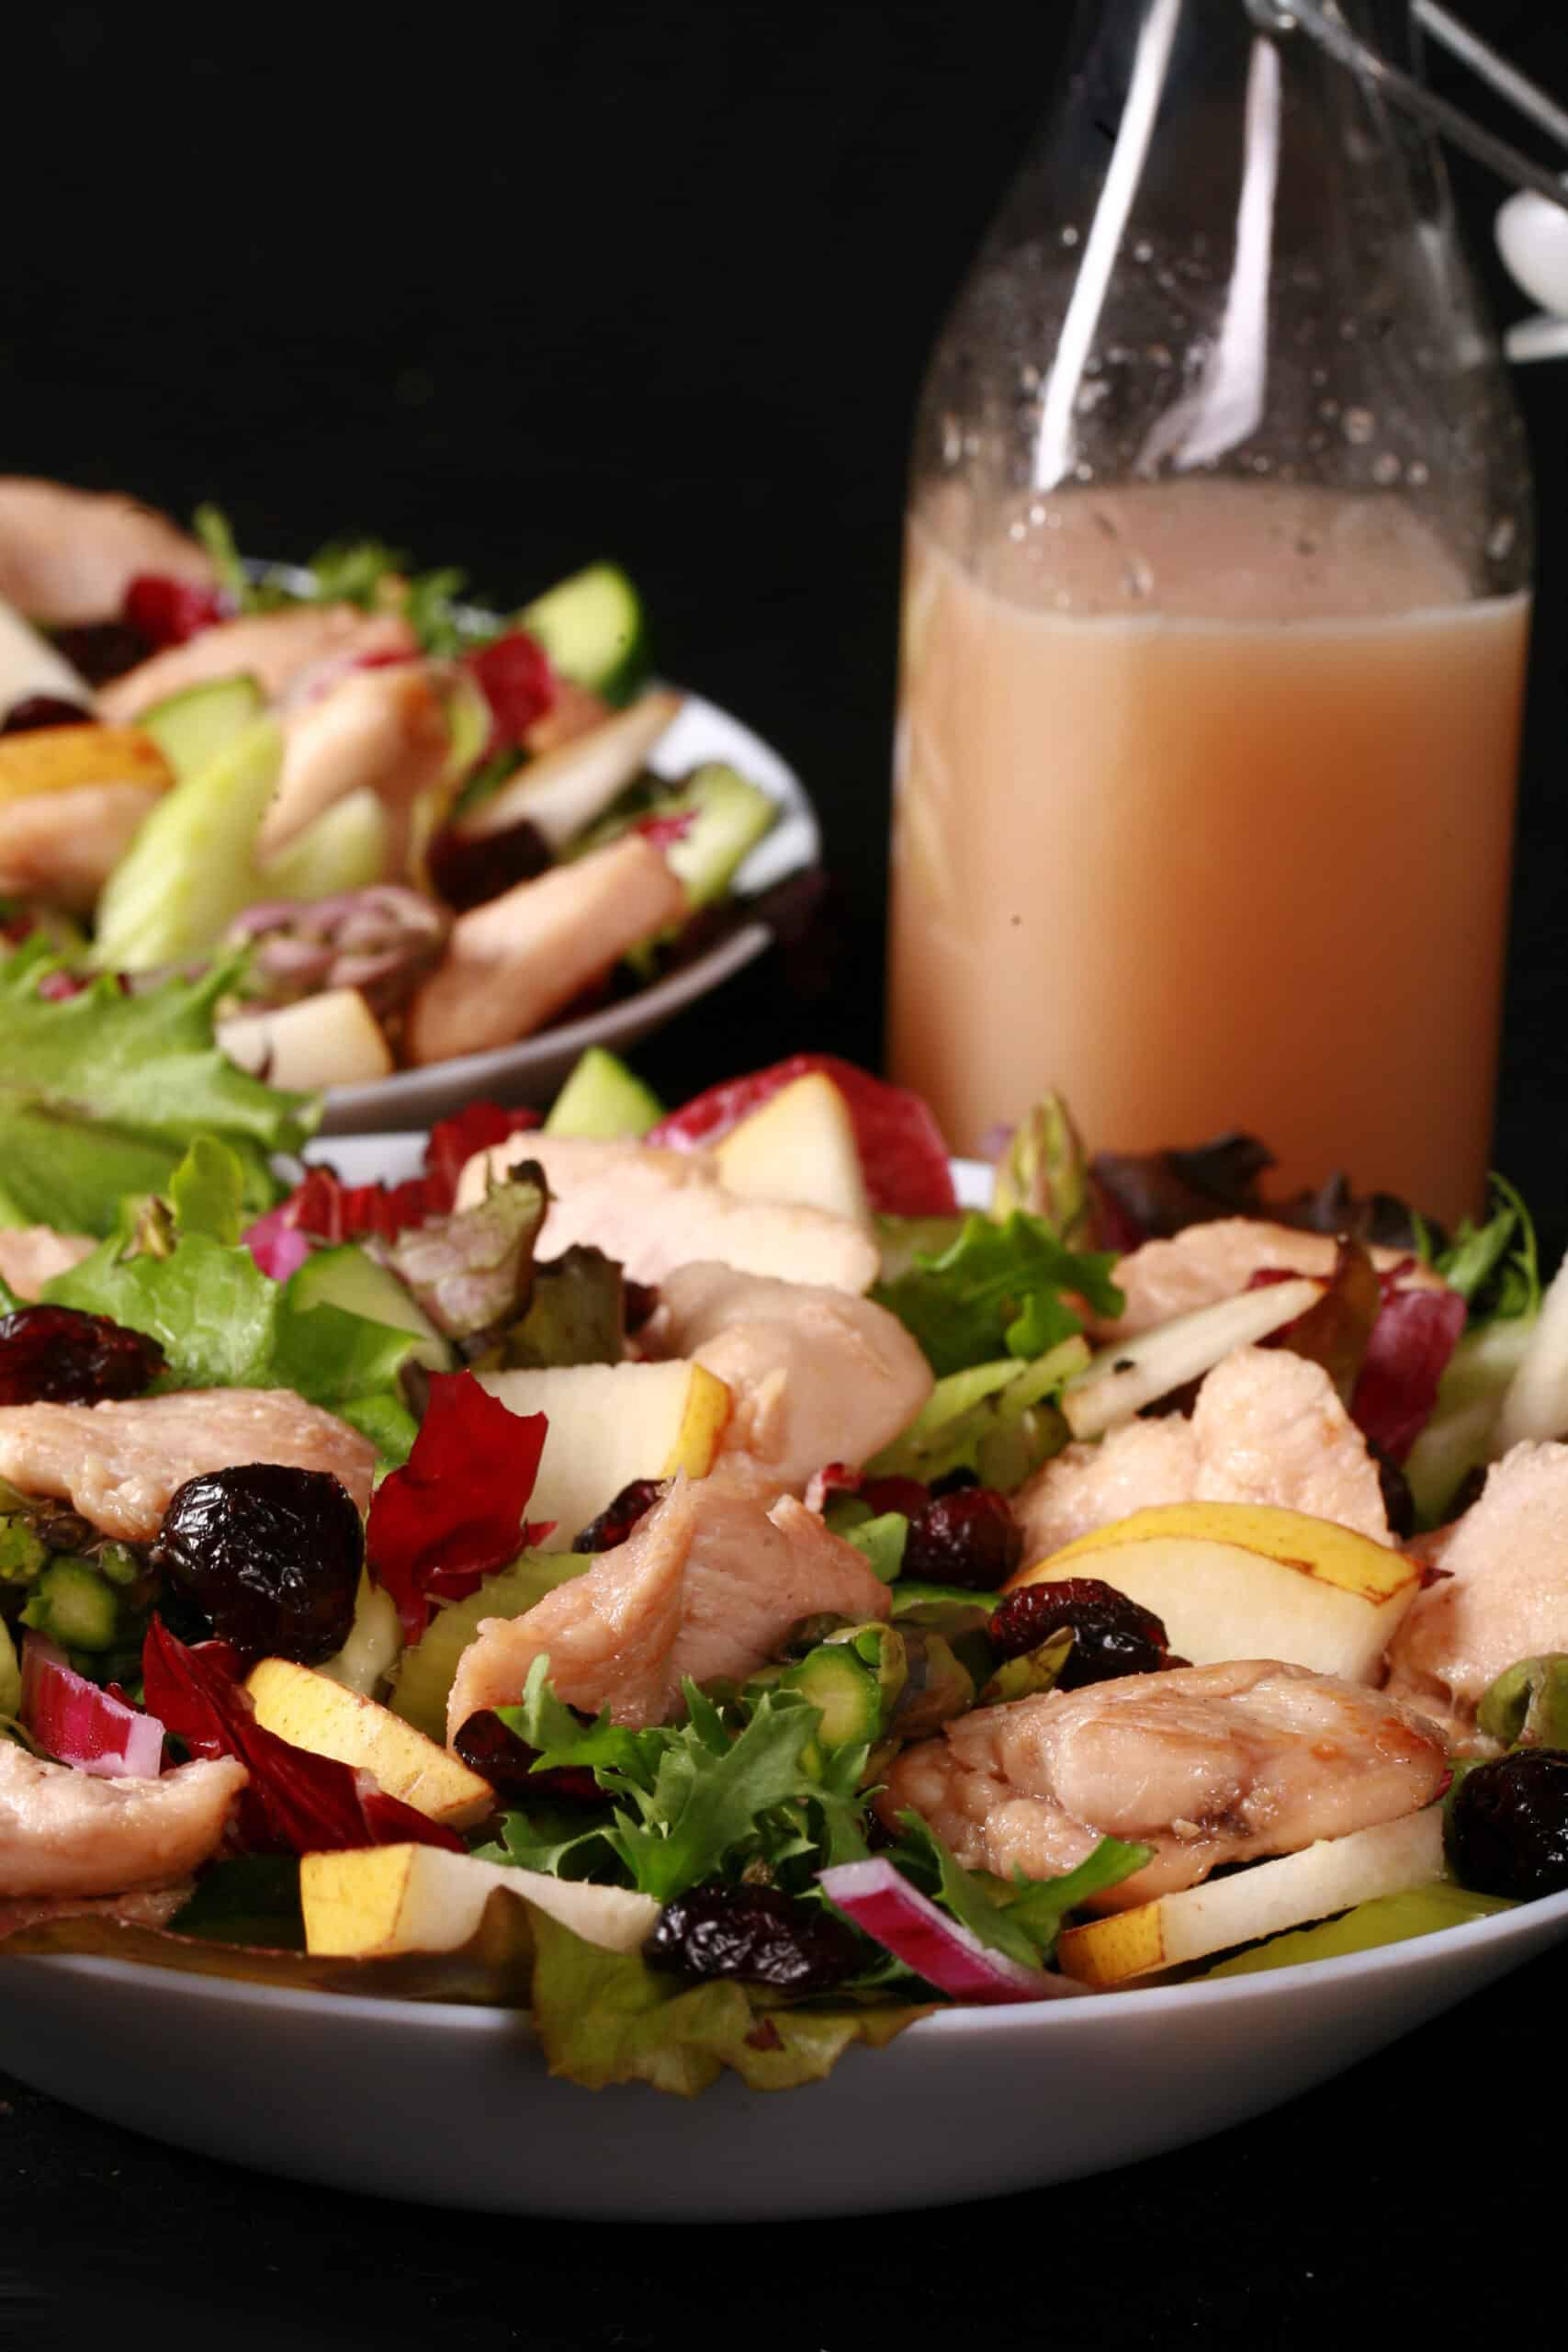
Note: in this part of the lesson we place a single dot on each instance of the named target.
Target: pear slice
(1323, 1879)
(333, 1039)
(798, 1145)
(1122, 1379)
(382, 1899)
(311, 1711)
(1231, 1580)
(611, 1424)
(561, 792)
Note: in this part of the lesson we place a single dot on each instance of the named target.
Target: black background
(514, 287)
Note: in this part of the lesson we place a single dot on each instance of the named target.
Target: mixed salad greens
(732, 1881)
(435, 828)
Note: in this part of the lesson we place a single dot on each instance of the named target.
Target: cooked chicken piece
(65, 1832)
(63, 846)
(1504, 1593)
(384, 729)
(817, 1375)
(655, 1210)
(707, 1584)
(119, 1463)
(271, 648)
(1268, 1428)
(1207, 1764)
(31, 1255)
(68, 556)
(1212, 1262)
(515, 960)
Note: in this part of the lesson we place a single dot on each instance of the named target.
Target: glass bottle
(1215, 624)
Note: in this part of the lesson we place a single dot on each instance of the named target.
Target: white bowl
(453, 2106)
(530, 1070)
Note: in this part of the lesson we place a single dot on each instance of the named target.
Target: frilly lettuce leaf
(101, 1094)
(1000, 1289)
(687, 1797)
(1495, 1266)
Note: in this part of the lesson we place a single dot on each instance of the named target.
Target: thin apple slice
(1233, 1580)
(561, 792)
(1122, 1379)
(1331, 1876)
(333, 1039)
(311, 1711)
(382, 1899)
(610, 1423)
(800, 1146)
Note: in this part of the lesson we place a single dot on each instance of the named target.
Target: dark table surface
(509, 289)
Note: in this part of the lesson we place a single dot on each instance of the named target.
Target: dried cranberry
(516, 680)
(57, 1354)
(617, 1519)
(467, 868)
(969, 1538)
(489, 1748)
(1111, 1635)
(954, 1482)
(102, 650)
(168, 612)
(756, 1935)
(34, 711)
(905, 1495)
(270, 1554)
(1508, 1825)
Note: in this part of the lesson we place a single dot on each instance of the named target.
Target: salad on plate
(437, 831)
(691, 1576)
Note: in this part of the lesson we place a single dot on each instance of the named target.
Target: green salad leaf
(687, 1798)
(1495, 1265)
(215, 531)
(1007, 1288)
(1022, 1919)
(368, 572)
(102, 1093)
(222, 1323)
(604, 2017)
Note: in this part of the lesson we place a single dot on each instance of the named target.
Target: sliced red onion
(884, 1905)
(81, 1724)
(278, 1248)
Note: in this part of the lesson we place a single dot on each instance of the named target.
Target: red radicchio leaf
(903, 1157)
(297, 1803)
(453, 1142)
(1405, 1355)
(324, 1209)
(1415, 1333)
(453, 1514)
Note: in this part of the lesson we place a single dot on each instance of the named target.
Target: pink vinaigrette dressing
(1240, 860)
